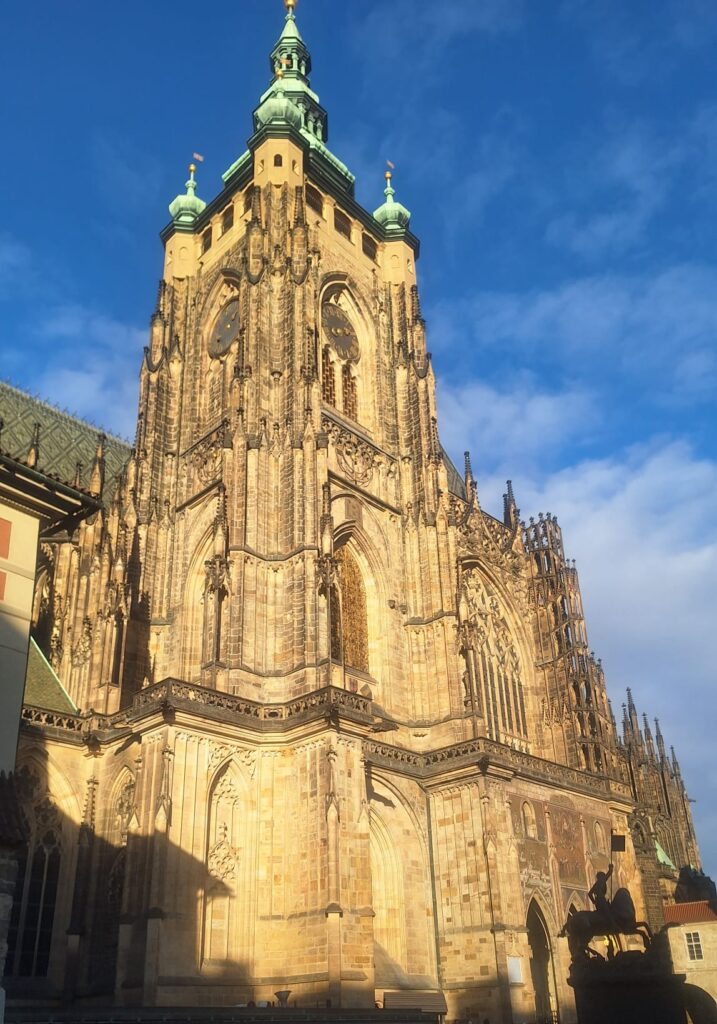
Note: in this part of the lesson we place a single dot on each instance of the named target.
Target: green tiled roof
(42, 687)
(64, 440)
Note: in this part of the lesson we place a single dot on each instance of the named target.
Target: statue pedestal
(634, 988)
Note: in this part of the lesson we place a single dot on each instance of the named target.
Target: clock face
(225, 330)
(339, 331)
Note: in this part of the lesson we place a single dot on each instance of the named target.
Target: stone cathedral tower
(329, 726)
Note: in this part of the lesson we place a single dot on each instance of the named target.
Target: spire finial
(186, 208)
(392, 215)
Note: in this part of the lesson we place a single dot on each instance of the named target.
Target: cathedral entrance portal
(541, 967)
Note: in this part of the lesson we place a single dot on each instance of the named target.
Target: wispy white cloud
(641, 526)
(90, 365)
(521, 420)
(626, 177)
(661, 329)
(424, 27)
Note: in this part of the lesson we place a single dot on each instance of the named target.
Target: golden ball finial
(290, 4)
(192, 168)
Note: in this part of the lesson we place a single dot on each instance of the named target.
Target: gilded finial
(192, 168)
(290, 5)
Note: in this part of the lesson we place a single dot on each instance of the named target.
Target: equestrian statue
(610, 918)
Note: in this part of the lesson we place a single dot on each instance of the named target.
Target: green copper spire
(186, 208)
(290, 106)
(392, 215)
(290, 63)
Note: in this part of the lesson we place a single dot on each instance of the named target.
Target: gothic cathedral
(320, 723)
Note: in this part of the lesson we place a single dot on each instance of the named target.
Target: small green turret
(186, 208)
(393, 216)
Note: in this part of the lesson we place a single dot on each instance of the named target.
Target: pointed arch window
(497, 664)
(36, 888)
(530, 826)
(349, 621)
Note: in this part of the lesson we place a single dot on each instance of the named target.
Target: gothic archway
(541, 966)
(404, 950)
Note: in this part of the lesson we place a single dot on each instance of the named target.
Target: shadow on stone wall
(96, 921)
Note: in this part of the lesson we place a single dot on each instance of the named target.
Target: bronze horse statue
(612, 918)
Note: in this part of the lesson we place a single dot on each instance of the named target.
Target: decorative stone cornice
(489, 758)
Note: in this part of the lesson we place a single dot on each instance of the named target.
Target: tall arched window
(349, 622)
(33, 913)
(500, 682)
(599, 837)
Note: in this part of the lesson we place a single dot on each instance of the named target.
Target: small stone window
(342, 224)
(369, 247)
(228, 219)
(278, 160)
(694, 945)
(530, 826)
(207, 240)
(247, 199)
(314, 199)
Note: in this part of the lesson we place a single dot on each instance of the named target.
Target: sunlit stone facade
(339, 731)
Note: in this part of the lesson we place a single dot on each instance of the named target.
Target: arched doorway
(541, 967)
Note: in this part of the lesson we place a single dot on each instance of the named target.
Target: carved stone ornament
(206, 456)
(222, 860)
(81, 650)
(356, 457)
(490, 626)
(124, 807)
(498, 544)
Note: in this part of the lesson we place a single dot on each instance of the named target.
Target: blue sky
(560, 161)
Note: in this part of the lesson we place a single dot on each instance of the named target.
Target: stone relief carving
(206, 455)
(124, 808)
(356, 457)
(222, 859)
